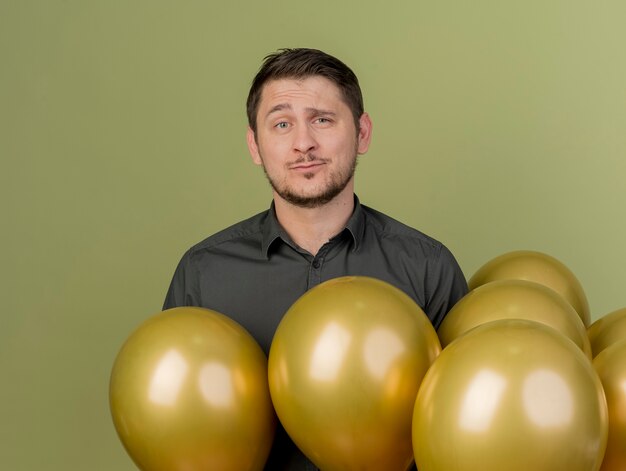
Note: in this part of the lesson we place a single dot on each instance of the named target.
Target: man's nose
(304, 140)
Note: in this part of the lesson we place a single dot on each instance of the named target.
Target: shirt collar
(356, 224)
(273, 231)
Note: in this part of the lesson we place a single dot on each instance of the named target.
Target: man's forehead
(277, 90)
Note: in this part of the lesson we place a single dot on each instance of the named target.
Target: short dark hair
(301, 63)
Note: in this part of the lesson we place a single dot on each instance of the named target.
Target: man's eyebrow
(279, 107)
(317, 111)
(310, 110)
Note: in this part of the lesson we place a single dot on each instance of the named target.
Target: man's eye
(282, 125)
(323, 120)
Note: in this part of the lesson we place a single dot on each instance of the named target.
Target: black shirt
(253, 272)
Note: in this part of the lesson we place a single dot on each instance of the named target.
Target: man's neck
(311, 228)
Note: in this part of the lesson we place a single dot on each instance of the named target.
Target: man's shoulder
(387, 226)
(247, 231)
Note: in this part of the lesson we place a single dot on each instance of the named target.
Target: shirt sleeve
(182, 290)
(446, 285)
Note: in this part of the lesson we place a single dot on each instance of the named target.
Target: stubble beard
(338, 181)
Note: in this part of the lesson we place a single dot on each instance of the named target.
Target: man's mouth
(308, 163)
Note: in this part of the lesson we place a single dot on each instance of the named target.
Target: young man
(307, 127)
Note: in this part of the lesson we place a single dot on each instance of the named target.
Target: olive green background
(499, 126)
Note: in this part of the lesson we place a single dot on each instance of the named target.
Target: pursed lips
(307, 165)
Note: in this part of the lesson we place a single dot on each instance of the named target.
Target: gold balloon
(344, 367)
(189, 391)
(514, 299)
(607, 330)
(511, 395)
(611, 367)
(537, 267)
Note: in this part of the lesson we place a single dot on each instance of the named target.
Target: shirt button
(316, 264)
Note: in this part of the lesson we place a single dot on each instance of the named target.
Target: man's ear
(365, 133)
(253, 148)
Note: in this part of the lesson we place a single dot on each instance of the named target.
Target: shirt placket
(316, 265)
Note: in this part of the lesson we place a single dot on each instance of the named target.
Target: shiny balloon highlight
(188, 391)
(344, 368)
(511, 395)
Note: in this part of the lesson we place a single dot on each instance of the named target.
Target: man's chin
(309, 201)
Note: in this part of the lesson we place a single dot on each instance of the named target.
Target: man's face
(307, 141)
